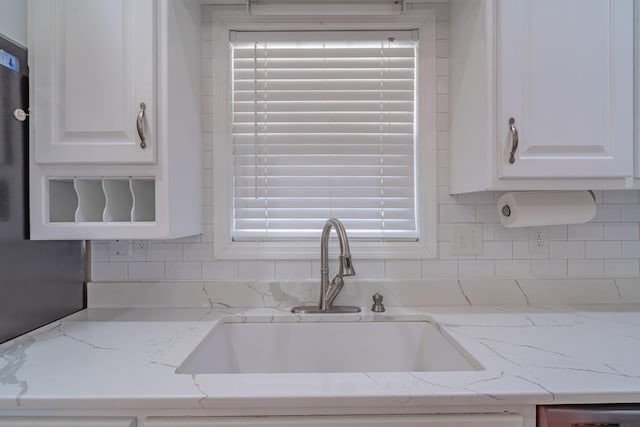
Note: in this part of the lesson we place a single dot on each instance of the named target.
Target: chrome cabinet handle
(514, 140)
(140, 125)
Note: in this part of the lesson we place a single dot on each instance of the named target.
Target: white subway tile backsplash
(437, 269)
(372, 269)
(164, 251)
(511, 234)
(566, 250)
(443, 158)
(442, 85)
(621, 267)
(256, 270)
(100, 251)
(146, 271)
(630, 213)
(442, 121)
(588, 231)
(603, 249)
(109, 271)
(513, 268)
(197, 252)
(457, 213)
(407, 270)
(442, 103)
(442, 142)
(585, 268)
(620, 197)
(630, 249)
(442, 66)
(487, 213)
(294, 269)
(548, 268)
(522, 250)
(183, 270)
(621, 231)
(470, 268)
(220, 270)
(497, 250)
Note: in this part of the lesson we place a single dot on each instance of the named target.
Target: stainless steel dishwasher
(615, 415)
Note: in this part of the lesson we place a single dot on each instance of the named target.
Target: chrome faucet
(329, 291)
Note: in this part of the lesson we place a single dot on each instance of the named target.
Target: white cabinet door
(92, 66)
(463, 420)
(565, 74)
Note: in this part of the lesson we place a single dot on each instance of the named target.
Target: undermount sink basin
(242, 348)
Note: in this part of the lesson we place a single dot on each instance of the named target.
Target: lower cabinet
(463, 420)
(68, 422)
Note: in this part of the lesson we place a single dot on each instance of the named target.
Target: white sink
(242, 348)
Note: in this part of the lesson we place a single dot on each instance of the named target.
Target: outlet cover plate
(467, 239)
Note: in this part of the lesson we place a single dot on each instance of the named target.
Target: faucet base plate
(314, 309)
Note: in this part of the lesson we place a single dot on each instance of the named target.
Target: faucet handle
(334, 289)
(378, 306)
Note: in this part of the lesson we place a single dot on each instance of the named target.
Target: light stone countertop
(126, 358)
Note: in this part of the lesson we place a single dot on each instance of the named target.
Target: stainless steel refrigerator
(40, 281)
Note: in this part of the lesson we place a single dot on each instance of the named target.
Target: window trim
(225, 19)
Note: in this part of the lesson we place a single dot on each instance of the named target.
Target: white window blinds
(324, 126)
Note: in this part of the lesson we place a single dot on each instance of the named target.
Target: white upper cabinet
(92, 63)
(541, 94)
(566, 76)
(93, 66)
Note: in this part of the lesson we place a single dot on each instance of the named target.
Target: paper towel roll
(538, 208)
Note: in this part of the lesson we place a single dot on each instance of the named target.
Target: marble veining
(530, 355)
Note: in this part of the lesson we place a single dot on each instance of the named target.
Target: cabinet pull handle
(514, 140)
(140, 126)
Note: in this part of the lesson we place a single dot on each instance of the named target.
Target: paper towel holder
(506, 209)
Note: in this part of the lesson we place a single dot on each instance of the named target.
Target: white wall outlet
(467, 239)
(538, 243)
(140, 247)
(119, 248)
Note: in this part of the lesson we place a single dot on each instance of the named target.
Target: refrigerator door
(39, 281)
(13, 141)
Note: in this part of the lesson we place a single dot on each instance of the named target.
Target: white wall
(608, 246)
(13, 20)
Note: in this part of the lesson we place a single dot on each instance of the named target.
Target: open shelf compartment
(101, 199)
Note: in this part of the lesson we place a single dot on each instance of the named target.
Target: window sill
(311, 250)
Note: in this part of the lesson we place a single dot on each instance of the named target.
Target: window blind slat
(348, 73)
(320, 140)
(323, 130)
(321, 84)
(249, 52)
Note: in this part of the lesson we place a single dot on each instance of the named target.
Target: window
(323, 127)
(325, 124)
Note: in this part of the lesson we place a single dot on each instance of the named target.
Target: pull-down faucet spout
(329, 291)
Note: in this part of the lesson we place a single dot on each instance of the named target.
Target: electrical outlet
(140, 247)
(538, 243)
(467, 239)
(119, 248)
